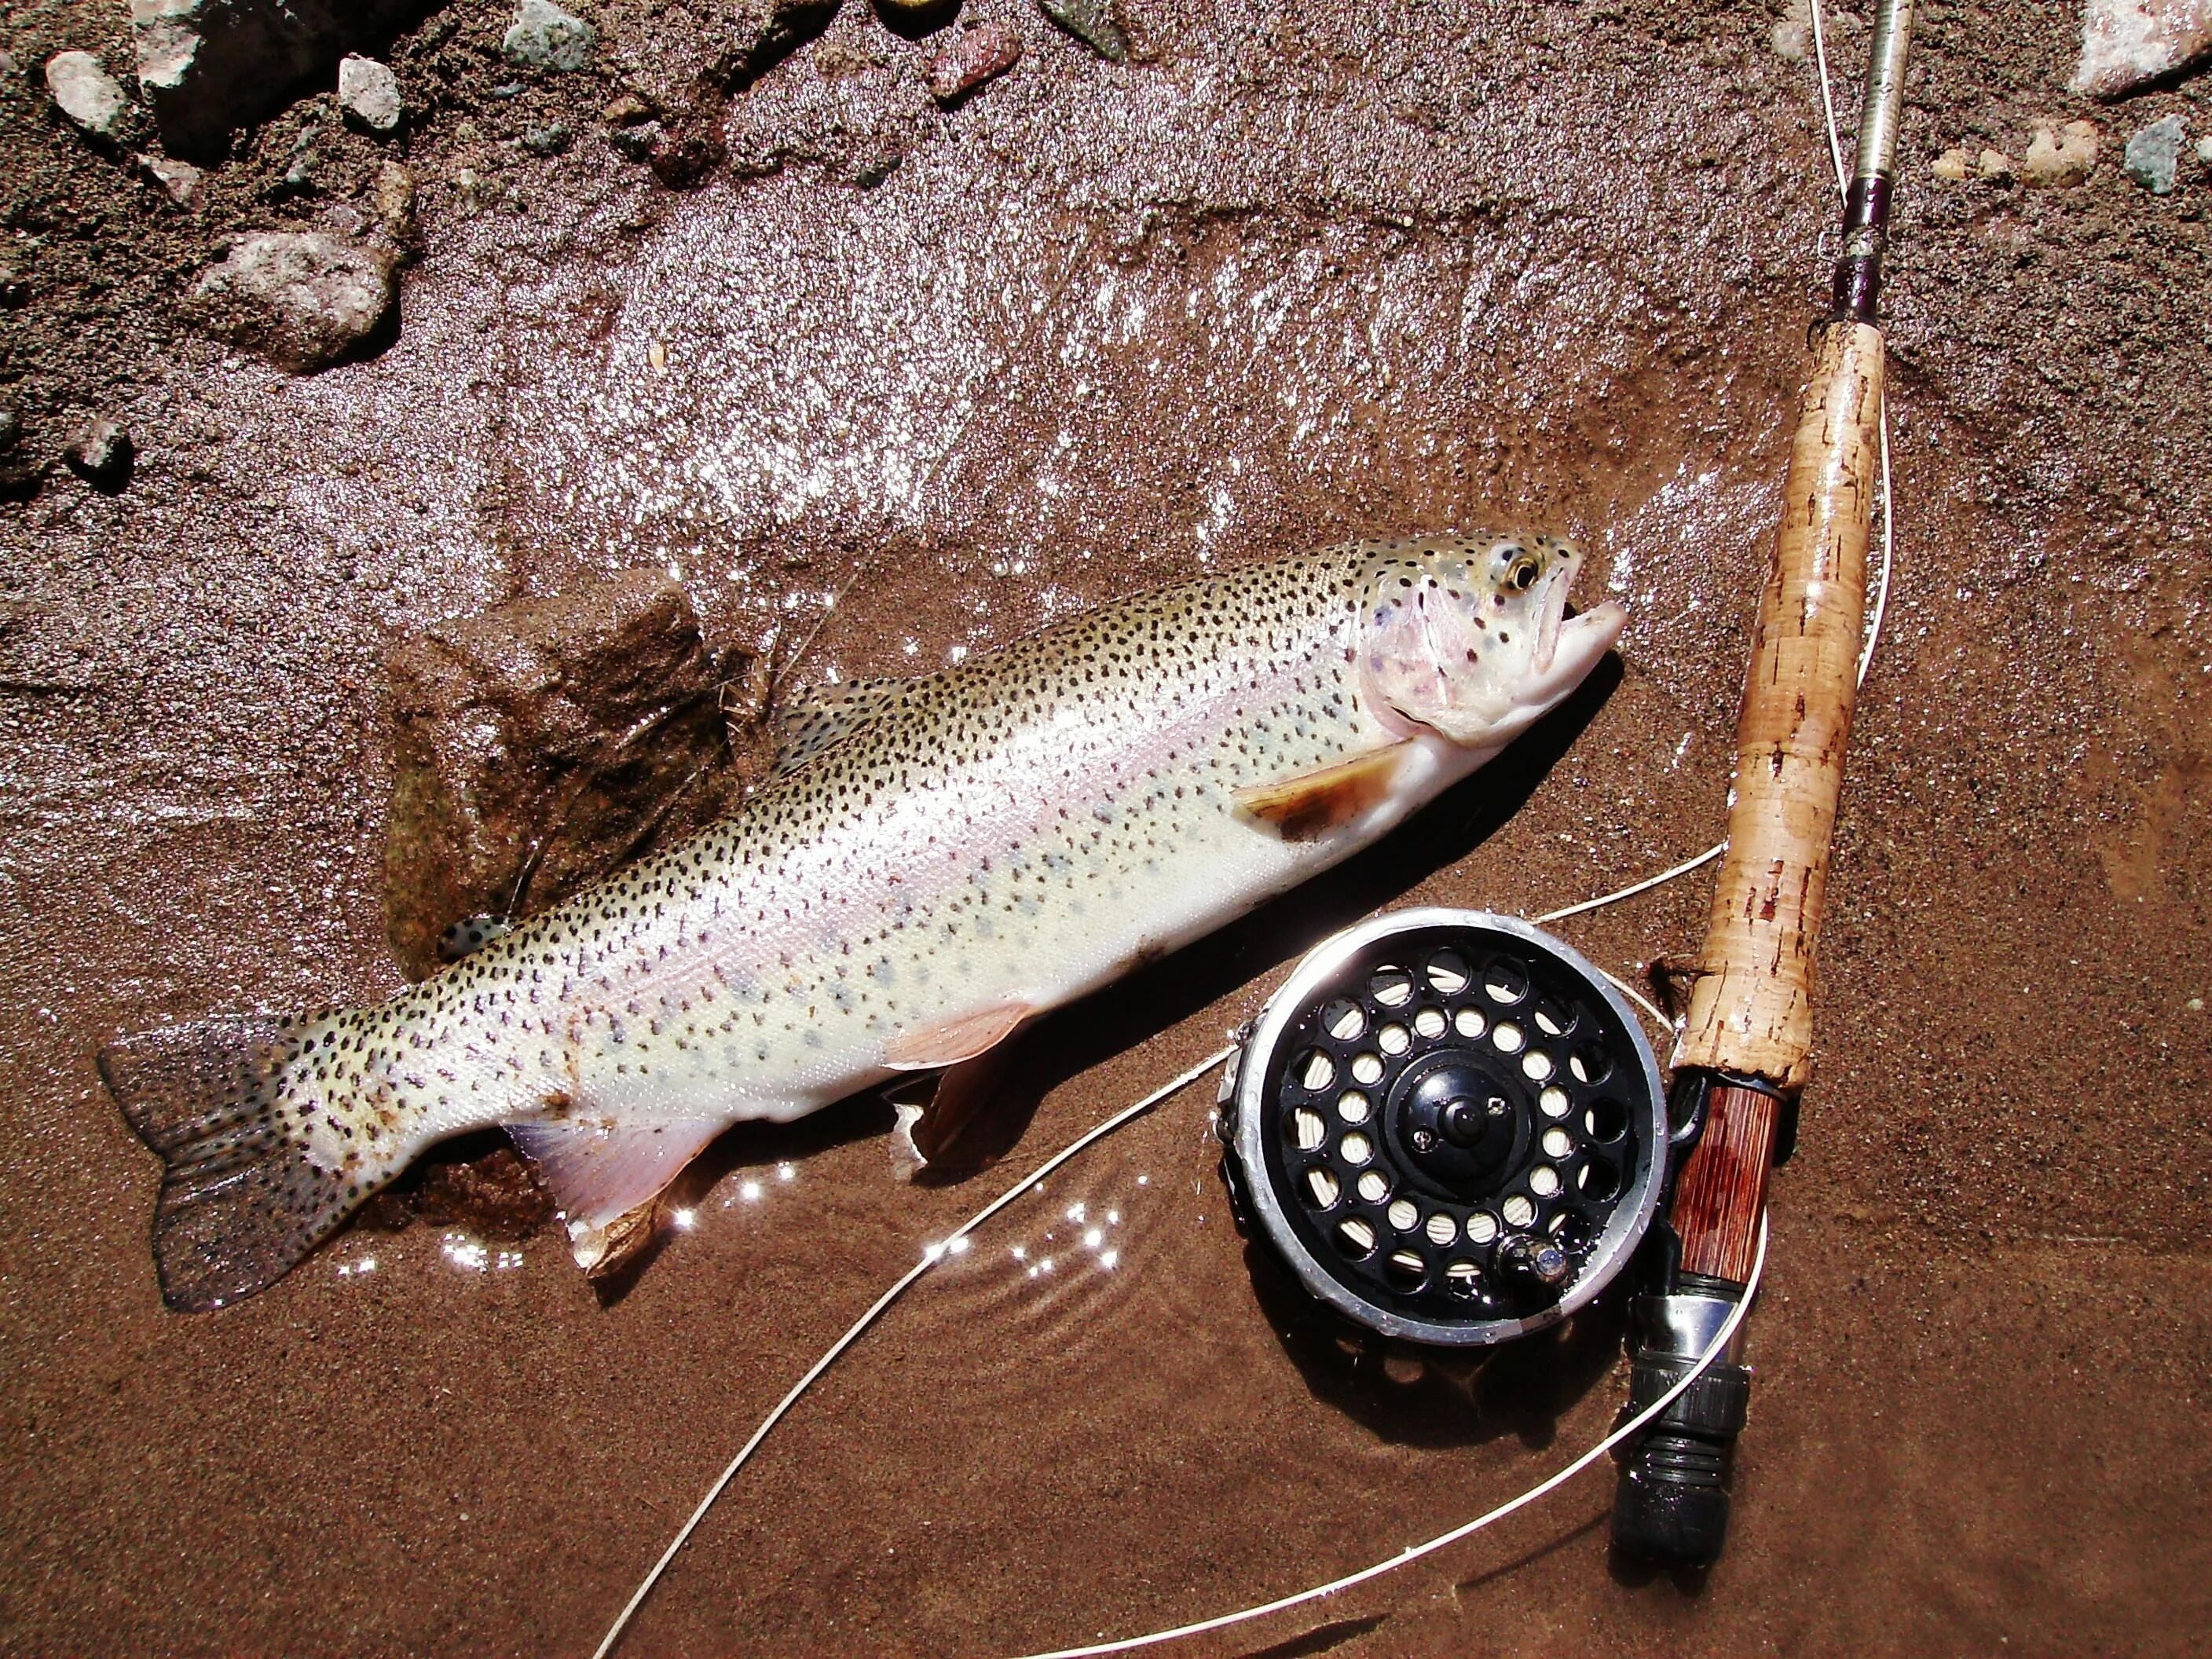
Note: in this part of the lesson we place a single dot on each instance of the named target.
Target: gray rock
(86, 92)
(179, 180)
(1093, 22)
(2153, 157)
(300, 299)
(101, 455)
(2126, 43)
(11, 428)
(540, 745)
(545, 38)
(368, 92)
(548, 140)
(210, 66)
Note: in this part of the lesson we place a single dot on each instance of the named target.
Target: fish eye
(1522, 576)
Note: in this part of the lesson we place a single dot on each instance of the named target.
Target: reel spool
(1449, 1126)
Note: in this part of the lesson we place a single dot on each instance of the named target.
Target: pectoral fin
(1307, 807)
(605, 1179)
(963, 1036)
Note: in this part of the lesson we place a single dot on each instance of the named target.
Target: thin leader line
(930, 1256)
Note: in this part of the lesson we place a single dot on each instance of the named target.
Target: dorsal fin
(830, 713)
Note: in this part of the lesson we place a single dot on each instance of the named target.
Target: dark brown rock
(686, 154)
(540, 745)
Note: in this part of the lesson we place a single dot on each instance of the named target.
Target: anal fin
(1311, 806)
(927, 1135)
(605, 1178)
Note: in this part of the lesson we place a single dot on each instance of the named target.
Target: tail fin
(242, 1202)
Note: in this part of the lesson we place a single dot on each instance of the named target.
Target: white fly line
(936, 1251)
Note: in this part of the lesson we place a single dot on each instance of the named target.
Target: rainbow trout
(934, 862)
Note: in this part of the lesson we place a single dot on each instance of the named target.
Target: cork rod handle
(1750, 1002)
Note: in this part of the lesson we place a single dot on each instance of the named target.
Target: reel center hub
(1458, 1120)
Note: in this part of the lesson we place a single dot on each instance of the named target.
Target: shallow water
(1299, 278)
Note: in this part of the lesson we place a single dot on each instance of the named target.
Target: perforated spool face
(1451, 1126)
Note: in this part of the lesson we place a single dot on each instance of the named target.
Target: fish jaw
(1578, 644)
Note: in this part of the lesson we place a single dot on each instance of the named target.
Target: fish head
(1469, 636)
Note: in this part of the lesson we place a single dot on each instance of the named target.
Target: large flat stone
(541, 745)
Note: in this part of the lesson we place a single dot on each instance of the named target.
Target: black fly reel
(1449, 1126)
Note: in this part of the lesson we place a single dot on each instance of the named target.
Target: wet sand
(1293, 278)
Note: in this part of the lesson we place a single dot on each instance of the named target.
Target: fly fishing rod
(1744, 1054)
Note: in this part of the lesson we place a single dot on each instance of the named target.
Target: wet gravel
(923, 376)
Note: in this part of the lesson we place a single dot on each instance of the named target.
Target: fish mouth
(1552, 615)
(1568, 648)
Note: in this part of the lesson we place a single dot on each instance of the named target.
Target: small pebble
(368, 91)
(2063, 158)
(1953, 164)
(2205, 149)
(1093, 22)
(547, 141)
(392, 196)
(472, 190)
(1995, 164)
(1792, 38)
(11, 428)
(86, 92)
(2153, 157)
(974, 56)
(543, 36)
(627, 111)
(636, 142)
(179, 180)
(101, 455)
